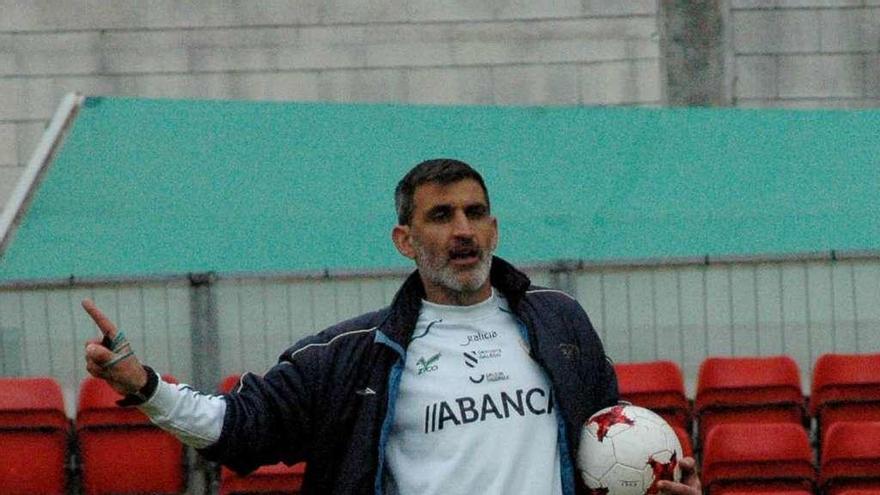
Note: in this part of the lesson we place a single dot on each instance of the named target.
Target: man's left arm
(608, 394)
(596, 366)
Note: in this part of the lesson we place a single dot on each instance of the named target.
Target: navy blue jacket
(330, 399)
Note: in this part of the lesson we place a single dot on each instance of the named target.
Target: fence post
(203, 328)
(563, 276)
(205, 368)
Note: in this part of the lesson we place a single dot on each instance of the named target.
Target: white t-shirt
(474, 412)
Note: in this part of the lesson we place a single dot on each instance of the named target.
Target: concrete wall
(566, 52)
(805, 53)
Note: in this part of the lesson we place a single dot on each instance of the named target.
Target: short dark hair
(441, 171)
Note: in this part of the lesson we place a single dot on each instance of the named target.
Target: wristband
(144, 393)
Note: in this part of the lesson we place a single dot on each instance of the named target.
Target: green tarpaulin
(146, 187)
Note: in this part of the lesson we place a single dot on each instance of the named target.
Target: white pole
(49, 143)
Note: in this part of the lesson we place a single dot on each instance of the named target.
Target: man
(471, 381)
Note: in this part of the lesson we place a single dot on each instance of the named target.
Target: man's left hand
(690, 481)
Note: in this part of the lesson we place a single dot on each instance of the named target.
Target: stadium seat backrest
(121, 451)
(656, 385)
(34, 402)
(649, 377)
(851, 450)
(748, 390)
(749, 379)
(229, 383)
(34, 434)
(97, 405)
(751, 452)
(845, 378)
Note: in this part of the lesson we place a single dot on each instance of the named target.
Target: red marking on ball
(662, 471)
(606, 420)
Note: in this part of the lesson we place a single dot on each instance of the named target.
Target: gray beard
(448, 278)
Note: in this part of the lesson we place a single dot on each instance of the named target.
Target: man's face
(451, 237)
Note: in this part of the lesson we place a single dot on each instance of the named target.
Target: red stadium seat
(846, 387)
(749, 390)
(762, 490)
(854, 487)
(850, 457)
(658, 386)
(121, 451)
(228, 383)
(684, 438)
(34, 433)
(774, 457)
(276, 479)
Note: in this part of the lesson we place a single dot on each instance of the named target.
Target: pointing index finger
(104, 324)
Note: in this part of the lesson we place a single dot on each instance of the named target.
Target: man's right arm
(265, 421)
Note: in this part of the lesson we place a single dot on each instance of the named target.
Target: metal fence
(203, 327)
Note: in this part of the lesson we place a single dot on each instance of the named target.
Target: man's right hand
(126, 376)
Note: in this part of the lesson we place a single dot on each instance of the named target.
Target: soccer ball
(626, 450)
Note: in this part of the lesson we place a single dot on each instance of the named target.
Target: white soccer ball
(626, 450)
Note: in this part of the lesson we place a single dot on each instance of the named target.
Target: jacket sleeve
(597, 364)
(268, 418)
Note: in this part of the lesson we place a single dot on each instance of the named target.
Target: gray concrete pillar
(693, 48)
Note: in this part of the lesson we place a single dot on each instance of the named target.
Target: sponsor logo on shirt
(428, 365)
(488, 353)
(479, 337)
(472, 358)
(488, 407)
(498, 376)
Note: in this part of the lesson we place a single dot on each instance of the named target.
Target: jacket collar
(404, 310)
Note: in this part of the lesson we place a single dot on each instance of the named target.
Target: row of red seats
(753, 421)
(729, 390)
(757, 389)
(110, 443)
(778, 458)
(116, 450)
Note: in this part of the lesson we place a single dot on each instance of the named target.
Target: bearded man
(471, 381)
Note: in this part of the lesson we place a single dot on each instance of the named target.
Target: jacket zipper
(566, 468)
(387, 423)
